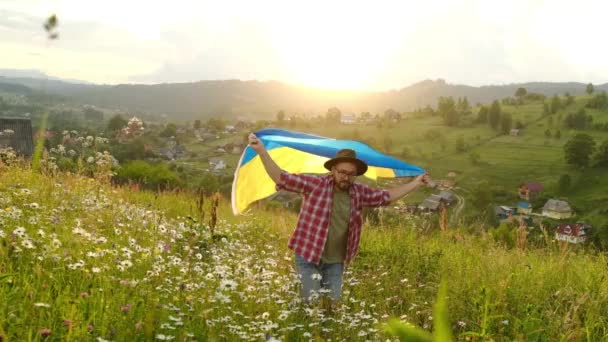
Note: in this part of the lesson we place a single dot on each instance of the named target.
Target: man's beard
(343, 185)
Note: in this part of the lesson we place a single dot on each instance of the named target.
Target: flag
(297, 152)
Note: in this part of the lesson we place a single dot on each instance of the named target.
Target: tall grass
(82, 260)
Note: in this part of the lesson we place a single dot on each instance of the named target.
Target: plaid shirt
(308, 240)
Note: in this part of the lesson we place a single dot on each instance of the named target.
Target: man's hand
(404, 189)
(256, 143)
(270, 166)
(422, 179)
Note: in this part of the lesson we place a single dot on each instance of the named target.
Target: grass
(81, 260)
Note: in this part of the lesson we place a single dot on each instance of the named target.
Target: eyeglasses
(346, 173)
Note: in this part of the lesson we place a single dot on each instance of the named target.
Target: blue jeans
(319, 280)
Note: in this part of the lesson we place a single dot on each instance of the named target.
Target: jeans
(319, 280)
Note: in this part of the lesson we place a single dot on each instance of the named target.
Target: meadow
(83, 260)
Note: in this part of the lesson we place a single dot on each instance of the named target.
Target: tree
(578, 150)
(556, 104)
(280, 117)
(599, 101)
(564, 183)
(547, 133)
(558, 134)
(460, 145)
(520, 93)
(494, 114)
(446, 107)
(580, 120)
(590, 89)
(546, 110)
(117, 122)
(601, 158)
(569, 99)
(392, 115)
(216, 124)
(474, 158)
(388, 143)
(169, 131)
(506, 123)
(405, 152)
(482, 115)
(197, 124)
(452, 118)
(333, 115)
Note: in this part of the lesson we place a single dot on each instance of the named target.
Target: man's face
(344, 175)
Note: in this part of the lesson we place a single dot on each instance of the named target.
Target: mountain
(232, 98)
(35, 74)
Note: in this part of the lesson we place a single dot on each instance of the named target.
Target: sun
(325, 48)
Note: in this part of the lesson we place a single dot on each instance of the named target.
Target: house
(557, 209)
(573, 233)
(503, 212)
(217, 164)
(514, 132)
(166, 153)
(237, 148)
(432, 203)
(208, 136)
(524, 208)
(180, 151)
(448, 197)
(529, 191)
(17, 134)
(348, 119)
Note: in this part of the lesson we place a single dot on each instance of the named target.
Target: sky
(352, 45)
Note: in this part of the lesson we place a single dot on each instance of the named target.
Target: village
(216, 150)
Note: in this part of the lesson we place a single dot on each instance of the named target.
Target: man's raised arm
(402, 190)
(271, 167)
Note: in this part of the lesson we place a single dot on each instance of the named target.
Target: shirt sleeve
(371, 197)
(303, 184)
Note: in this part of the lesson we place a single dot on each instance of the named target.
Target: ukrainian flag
(297, 152)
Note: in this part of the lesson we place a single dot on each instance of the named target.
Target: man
(329, 225)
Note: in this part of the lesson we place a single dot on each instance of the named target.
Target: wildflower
(27, 244)
(84, 294)
(316, 276)
(95, 269)
(362, 333)
(125, 308)
(45, 332)
(462, 324)
(44, 305)
(164, 337)
(67, 323)
(505, 322)
(19, 231)
(228, 284)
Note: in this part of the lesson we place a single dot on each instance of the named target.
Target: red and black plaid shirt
(308, 240)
